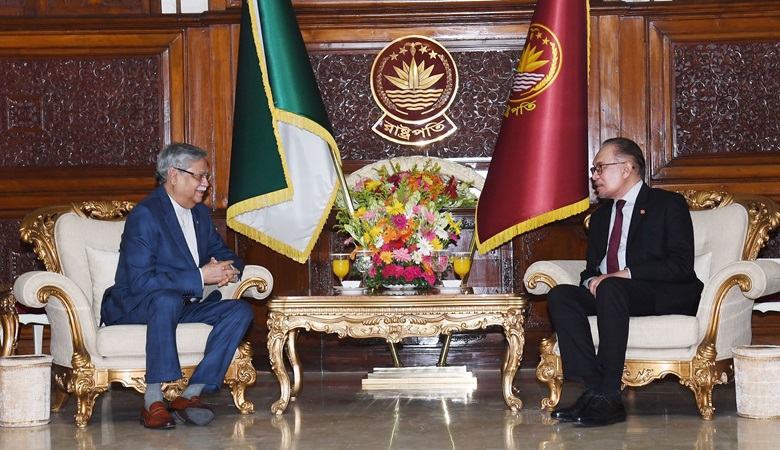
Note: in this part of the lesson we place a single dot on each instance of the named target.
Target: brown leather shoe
(193, 410)
(157, 418)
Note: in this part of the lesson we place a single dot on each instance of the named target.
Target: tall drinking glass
(440, 259)
(363, 262)
(461, 263)
(340, 264)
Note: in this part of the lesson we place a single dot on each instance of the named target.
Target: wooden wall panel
(722, 158)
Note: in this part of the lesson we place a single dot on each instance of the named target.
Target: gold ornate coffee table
(393, 318)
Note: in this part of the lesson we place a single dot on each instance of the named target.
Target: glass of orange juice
(340, 264)
(461, 263)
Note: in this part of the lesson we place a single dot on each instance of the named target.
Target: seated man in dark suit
(170, 250)
(639, 263)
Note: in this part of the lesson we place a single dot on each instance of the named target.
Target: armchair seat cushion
(130, 340)
(657, 332)
(669, 337)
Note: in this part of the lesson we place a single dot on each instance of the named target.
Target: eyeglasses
(598, 168)
(201, 176)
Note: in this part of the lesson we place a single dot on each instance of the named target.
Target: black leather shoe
(572, 412)
(602, 410)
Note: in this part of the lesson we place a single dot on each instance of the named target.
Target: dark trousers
(162, 311)
(616, 300)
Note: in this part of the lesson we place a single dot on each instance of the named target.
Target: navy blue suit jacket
(659, 248)
(154, 255)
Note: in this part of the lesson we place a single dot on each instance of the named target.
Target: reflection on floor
(333, 412)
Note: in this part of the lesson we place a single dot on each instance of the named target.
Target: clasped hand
(219, 272)
(594, 283)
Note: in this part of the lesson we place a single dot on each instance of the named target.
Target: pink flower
(392, 270)
(412, 272)
(429, 216)
(402, 255)
(400, 221)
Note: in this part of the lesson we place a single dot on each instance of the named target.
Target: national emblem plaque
(538, 68)
(414, 80)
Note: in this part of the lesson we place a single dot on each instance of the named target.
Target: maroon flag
(538, 173)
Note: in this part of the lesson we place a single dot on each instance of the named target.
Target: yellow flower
(361, 212)
(375, 231)
(455, 225)
(372, 185)
(386, 257)
(437, 245)
(396, 208)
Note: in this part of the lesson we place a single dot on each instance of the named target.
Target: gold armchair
(79, 245)
(729, 231)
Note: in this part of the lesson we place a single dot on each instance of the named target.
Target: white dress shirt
(187, 225)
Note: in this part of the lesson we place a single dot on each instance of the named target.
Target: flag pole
(348, 201)
(445, 348)
(342, 181)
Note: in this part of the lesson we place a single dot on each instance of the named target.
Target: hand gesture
(219, 272)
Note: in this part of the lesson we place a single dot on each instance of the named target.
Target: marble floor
(334, 412)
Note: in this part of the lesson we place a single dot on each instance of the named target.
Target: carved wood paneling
(726, 98)
(80, 112)
(476, 111)
(711, 101)
(82, 117)
(16, 259)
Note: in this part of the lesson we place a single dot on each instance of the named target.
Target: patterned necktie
(614, 238)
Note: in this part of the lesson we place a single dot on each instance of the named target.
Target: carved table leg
(513, 329)
(278, 333)
(295, 362)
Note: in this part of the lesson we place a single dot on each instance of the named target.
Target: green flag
(283, 179)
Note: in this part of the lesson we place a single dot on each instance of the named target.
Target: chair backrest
(719, 238)
(730, 227)
(80, 241)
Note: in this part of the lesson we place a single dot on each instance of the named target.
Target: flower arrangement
(401, 215)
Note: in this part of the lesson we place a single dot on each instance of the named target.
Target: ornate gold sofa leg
(245, 376)
(86, 393)
(702, 380)
(548, 371)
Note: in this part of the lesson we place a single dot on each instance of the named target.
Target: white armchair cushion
(701, 265)
(73, 234)
(130, 340)
(102, 270)
(662, 332)
(721, 233)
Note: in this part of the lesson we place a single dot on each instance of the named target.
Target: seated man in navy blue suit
(639, 263)
(170, 250)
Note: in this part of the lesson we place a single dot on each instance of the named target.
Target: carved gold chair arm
(256, 282)
(37, 289)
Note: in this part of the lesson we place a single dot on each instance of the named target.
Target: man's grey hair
(177, 155)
